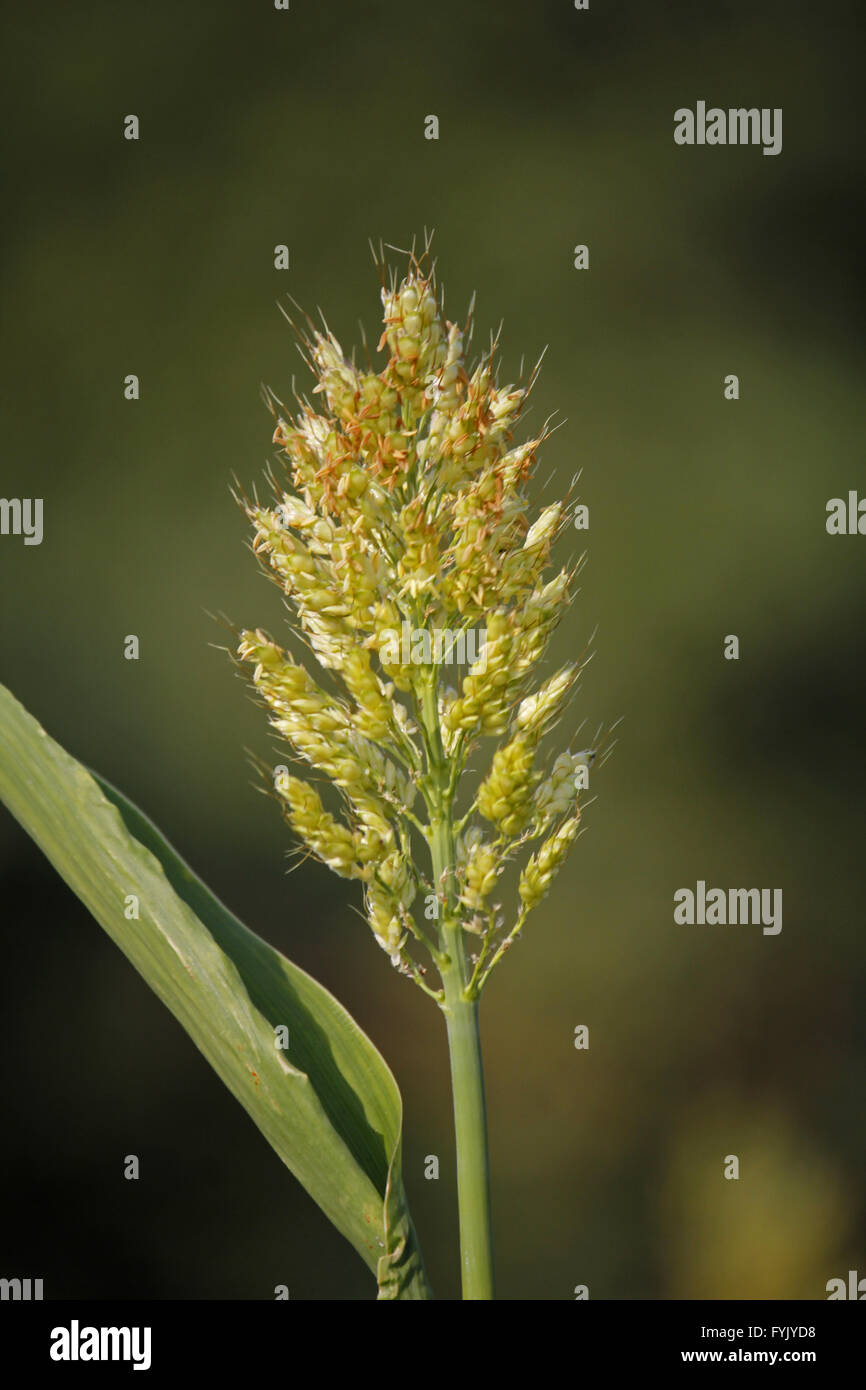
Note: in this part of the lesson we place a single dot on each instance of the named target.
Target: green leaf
(328, 1105)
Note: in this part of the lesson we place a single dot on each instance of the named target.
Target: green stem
(470, 1124)
(464, 1039)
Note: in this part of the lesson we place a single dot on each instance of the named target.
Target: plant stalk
(464, 1039)
(470, 1124)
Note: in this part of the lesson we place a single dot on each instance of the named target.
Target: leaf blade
(330, 1107)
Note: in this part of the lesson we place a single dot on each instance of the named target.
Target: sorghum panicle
(403, 507)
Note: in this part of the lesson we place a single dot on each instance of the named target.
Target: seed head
(404, 505)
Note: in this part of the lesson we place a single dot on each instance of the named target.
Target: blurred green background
(707, 518)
